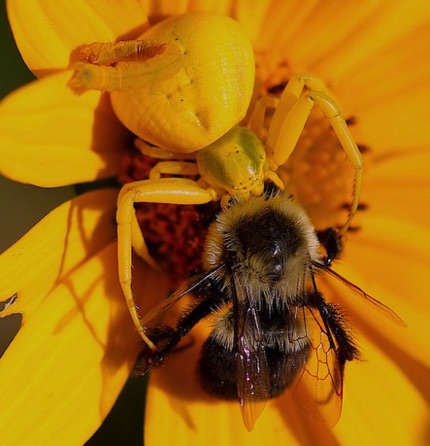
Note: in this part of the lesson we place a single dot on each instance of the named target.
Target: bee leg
(332, 243)
(167, 338)
(166, 190)
(337, 330)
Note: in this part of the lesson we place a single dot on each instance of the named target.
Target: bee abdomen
(218, 372)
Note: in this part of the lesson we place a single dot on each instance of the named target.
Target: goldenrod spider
(198, 84)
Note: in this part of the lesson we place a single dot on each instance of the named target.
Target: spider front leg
(162, 153)
(123, 65)
(166, 190)
(185, 168)
(290, 118)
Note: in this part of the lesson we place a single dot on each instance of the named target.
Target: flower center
(319, 175)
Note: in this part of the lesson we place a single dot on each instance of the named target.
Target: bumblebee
(189, 97)
(274, 329)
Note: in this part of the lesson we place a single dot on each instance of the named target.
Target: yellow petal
(380, 405)
(386, 64)
(402, 68)
(46, 34)
(390, 261)
(51, 137)
(393, 88)
(64, 369)
(50, 251)
(397, 121)
(70, 359)
(179, 412)
(161, 9)
(251, 15)
(398, 187)
(219, 7)
(386, 24)
(300, 43)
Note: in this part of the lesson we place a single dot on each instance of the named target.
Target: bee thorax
(266, 241)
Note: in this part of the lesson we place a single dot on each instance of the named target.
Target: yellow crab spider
(196, 132)
(237, 163)
(182, 85)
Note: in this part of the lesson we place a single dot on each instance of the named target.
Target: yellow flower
(76, 347)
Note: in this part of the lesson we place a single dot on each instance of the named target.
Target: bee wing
(383, 309)
(318, 389)
(165, 336)
(252, 371)
(186, 288)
